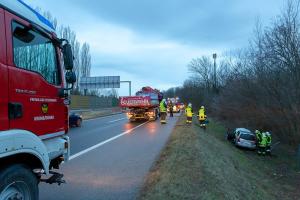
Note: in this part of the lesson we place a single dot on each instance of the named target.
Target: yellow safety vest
(162, 107)
(189, 112)
(263, 142)
(201, 114)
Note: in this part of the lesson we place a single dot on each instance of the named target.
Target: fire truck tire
(18, 182)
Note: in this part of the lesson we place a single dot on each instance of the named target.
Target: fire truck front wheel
(18, 182)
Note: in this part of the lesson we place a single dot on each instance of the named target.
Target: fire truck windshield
(35, 52)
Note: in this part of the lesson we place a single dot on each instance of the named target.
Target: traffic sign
(100, 82)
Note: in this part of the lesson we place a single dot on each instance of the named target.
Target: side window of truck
(35, 52)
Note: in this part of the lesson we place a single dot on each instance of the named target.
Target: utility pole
(129, 88)
(215, 71)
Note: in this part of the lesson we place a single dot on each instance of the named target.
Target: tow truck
(143, 106)
(33, 101)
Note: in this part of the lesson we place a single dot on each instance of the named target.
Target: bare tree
(81, 57)
(85, 61)
(202, 70)
(259, 85)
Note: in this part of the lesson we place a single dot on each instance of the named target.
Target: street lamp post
(215, 70)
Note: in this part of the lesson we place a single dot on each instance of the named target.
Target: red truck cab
(33, 105)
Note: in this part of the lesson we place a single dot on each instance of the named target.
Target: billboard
(99, 82)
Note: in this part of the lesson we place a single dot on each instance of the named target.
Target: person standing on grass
(189, 114)
(258, 136)
(262, 144)
(269, 142)
(202, 116)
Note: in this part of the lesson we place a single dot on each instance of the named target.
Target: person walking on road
(163, 111)
(171, 108)
(189, 114)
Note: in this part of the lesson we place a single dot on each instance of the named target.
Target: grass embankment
(197, 164)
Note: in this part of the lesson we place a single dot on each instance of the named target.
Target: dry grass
(202, 165)
(176, 175)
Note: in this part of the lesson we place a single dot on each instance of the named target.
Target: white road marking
(117, 120)
(104, 142)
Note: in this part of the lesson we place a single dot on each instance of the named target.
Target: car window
(247, 137)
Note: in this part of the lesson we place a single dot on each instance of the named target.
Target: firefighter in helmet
(262, 144)
(202, 116)
(258, 136)
(189, 113)
(163, 111)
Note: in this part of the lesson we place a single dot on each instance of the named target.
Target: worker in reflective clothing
(269, 142)
(258, 136)
(189, 113)
(202, 116)
(262, 144)
(170, 105)
(163, 111)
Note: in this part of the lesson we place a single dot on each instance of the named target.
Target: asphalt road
(110, 158)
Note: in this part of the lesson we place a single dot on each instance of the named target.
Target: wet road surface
(110, 158)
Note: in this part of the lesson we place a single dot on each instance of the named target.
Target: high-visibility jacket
(189, 111)
(201, 114)
(258, 137)
(162, 107)
(263, 142)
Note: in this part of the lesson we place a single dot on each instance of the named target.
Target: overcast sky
(150, 42)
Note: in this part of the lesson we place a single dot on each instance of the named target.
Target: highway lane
(114, 170)
(96, 130)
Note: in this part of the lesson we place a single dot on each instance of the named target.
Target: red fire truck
(33, 101)
(145, 105)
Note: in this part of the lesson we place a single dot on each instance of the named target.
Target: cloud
(152, 41)
(211, 23)
(118, 48)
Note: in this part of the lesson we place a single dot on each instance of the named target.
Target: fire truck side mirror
(70, 77)
(68, 56)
